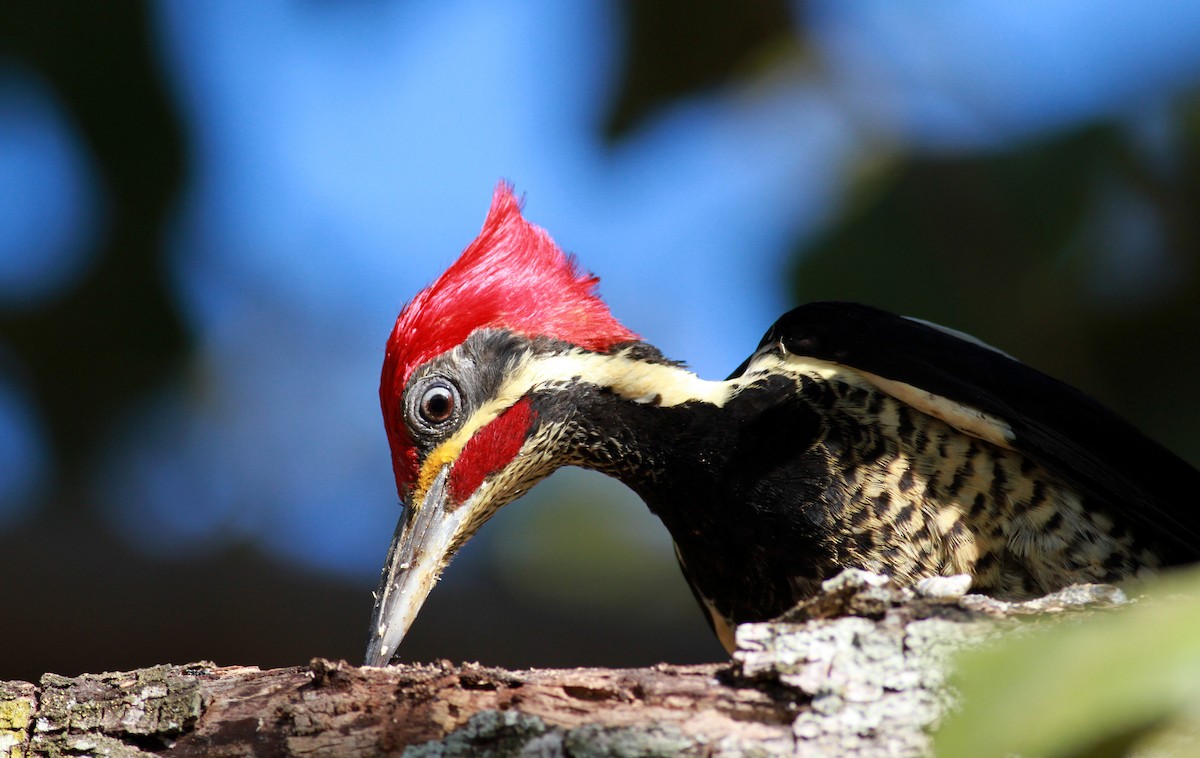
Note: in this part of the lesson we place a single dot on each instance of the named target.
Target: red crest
(513, 277)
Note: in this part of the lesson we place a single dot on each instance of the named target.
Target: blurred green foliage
(1114, 683)
(1078, 254)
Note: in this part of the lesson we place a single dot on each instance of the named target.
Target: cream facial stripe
(631, 379)
(671, 385)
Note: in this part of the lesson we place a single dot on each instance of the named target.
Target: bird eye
(437, 404)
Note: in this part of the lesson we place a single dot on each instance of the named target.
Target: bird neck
(697, 465)
(650, 423)
(631, 414)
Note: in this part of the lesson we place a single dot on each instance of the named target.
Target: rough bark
(859, 670)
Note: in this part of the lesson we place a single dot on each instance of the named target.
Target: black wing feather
(1056, 425)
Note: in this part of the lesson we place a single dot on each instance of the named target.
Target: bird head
(461, 364)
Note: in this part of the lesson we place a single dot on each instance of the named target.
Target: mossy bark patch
(117, 713)
(18, 700)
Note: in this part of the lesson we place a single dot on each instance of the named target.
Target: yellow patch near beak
(442, 455)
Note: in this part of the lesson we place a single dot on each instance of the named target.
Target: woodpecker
(851, 437)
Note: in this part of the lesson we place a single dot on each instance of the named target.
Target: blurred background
(211, 213)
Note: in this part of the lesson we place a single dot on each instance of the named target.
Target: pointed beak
(420, 550)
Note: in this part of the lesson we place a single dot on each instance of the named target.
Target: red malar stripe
(490, 450)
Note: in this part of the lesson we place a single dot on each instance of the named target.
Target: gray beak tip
(419, 550)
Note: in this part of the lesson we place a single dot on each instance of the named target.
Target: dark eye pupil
(437, 405)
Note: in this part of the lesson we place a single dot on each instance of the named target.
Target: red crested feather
(512, 276)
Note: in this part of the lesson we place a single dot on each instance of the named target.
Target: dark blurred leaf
(1117, 683)
(947, 238)
(1008, 247)
(118, 333)
(676, 47)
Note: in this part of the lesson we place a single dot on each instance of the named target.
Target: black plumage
(1054, 424)
(798, 476)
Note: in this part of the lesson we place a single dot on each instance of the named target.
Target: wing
(1054, 424)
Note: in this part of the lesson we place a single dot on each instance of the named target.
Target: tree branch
(859, 670)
